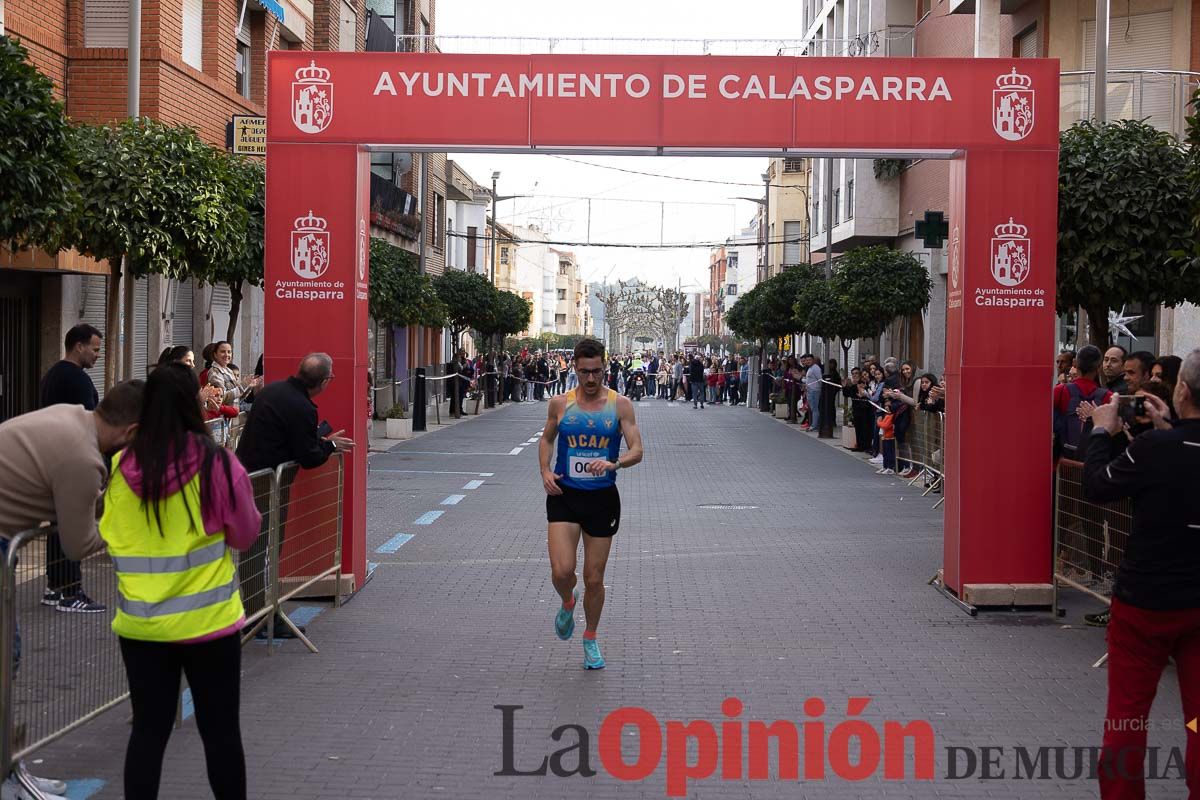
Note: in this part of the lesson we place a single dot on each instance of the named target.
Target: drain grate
(724, 507)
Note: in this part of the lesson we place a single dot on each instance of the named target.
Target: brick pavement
(819, 590)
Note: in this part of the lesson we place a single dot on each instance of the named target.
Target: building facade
(201, 63)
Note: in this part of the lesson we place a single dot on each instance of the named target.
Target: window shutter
(219, 305)
(92, 310)
(1142, 41)
(193, 33)
(106, 23)
(141, 328)
(181, 322)
(1027, 44)
(791, 247)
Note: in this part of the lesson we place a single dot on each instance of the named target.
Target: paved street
(814, 586)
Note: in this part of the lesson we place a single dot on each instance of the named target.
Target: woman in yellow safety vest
(175, 504)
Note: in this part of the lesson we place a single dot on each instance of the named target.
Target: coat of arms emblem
(1010, 254)
(1012, 106)
(955, 257)
(312, 99)
(310, 247)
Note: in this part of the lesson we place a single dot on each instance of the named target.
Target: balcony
(1158, 96)
(394, 209)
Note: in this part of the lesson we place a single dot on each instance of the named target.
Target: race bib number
(578, 468)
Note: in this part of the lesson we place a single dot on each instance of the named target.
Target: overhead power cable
(674, 177)
(638, 245)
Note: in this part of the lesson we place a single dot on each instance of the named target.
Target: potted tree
(399, 426)
(780, 401)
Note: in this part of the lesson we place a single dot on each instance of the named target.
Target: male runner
(581, 490)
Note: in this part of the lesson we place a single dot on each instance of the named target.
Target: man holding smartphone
(283, 427)
(1155, 614)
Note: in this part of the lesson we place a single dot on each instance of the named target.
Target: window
(563, 266)
(348, 32)
(193, 33)
(472, 244)
(384, 10)
(837, 215)
(381, 165)
(451, 250)
(560, 319)
(733, 262)
(816, 218)
(106, 23)
(792, 232)
(562, 294)
(731, 289)
(242, 70)
(1028, 44)
(793, 165)
(504, 255)
(850, 199)
(437, 232)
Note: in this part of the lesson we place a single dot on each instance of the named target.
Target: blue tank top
(585, 436)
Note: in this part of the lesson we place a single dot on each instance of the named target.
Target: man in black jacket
(68, 382)
(282, 427)
(1156, 597)
(696, 383)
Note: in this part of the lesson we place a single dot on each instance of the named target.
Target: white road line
(516, 451)
(473, 485)
(435, 472)
(453, 500)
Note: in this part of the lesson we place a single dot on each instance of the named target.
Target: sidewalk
(749, 564)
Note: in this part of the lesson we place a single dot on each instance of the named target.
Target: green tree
(871, 286)
(469, 301)
(1193, 140)
(398, 293)
(157, 196)
(37, 181)
(777, 304)
(245, 186)
(1124, 206)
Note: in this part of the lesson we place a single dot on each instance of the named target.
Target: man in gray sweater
(53, 466)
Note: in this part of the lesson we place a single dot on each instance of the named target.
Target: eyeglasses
(595, 373)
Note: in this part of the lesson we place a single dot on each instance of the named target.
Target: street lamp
(495, 200)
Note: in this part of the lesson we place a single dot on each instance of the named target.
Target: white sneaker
(12, 790)
(885, 472)
(49, 785)
(875, 460)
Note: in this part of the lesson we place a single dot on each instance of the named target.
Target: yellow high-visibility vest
(175, 583)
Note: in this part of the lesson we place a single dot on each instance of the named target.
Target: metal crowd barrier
(227, 432)
(1089, 538)
(924, 447)
(60, 670)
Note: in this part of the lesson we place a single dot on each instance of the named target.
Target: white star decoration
(1120, 322)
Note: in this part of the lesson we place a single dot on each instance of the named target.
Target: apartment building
(786, 228)
(718, 272)
(741, 255)
(1153, 63)
(201, 63)
(572, 316)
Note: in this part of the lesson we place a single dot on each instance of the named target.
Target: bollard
(418, 402)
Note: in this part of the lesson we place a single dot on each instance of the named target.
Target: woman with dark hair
(179, 354)
(1165, 370)
(175, 504)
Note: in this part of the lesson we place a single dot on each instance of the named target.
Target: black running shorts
(597, 511)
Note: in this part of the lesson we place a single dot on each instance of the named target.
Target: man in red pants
(1156, 596)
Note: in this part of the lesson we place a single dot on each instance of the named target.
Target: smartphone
(1131, 405)
(324, 429)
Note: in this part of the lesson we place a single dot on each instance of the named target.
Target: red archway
(996, 118)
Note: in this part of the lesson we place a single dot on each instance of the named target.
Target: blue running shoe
(564, 621)
(591, 655)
